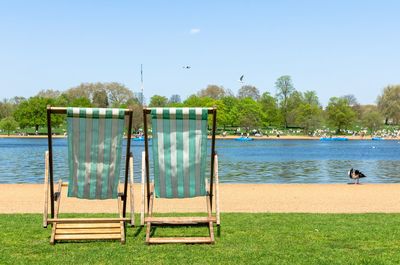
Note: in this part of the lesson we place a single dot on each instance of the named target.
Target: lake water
(261, 161)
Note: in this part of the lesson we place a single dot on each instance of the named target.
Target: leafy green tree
(285, 88)
(33, 113)
(213, 91)
(269, 105)
(196, 101)
(249, 92)
(309, 112)
(248, 113)
(158, 101)
(309, 116)
(340, 114)
(6, 108)
(389, 103)
(294, 102)
(8, 124)
(229, 105)
(371, 118)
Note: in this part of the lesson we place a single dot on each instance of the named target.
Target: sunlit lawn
(244, 239)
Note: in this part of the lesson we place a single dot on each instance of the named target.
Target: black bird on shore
(356, 175)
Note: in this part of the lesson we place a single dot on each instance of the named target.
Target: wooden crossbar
(87, 220)
(180, 220)
(184, 240)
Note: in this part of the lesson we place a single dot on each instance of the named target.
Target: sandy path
(311, 198)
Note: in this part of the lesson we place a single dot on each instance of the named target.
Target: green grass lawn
(244, 239)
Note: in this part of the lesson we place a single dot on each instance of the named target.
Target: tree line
(249, 109)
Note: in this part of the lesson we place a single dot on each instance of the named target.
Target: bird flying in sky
(186, 67)
(241, 79)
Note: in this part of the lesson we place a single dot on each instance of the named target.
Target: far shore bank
(253, 198)
(229, 137)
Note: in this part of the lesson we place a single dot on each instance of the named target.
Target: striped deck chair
(94, 161)
(179, 153)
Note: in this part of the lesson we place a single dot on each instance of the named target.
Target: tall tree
(371, 118)
(116, 93)
(309, 112)
(248, 113)
(158, 101)
(269, 105)
(100, 99)
(49, 93)
(249, 92)
(212, 91)
(285, 88)
(340, 114)
(8, 124)
(6, 108)
(389, 104)
(32, 113)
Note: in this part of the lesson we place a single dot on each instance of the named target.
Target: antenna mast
(141, 84)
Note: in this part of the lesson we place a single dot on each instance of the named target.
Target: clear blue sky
(332, 47)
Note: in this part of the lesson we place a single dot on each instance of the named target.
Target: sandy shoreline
(230, 137)
(304, 198)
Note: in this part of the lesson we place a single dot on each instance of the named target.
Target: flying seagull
(356, 175)
(241, 79)
(186, 67)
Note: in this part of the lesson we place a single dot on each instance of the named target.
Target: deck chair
(179, 153)
(94, 161)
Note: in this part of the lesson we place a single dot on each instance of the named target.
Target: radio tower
(141, 85)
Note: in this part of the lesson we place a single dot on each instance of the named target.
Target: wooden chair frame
(85, 228)
(148, 196)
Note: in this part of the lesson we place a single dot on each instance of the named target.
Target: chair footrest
(185, 240)
(88, 237)
(88, 231)
(179, 220)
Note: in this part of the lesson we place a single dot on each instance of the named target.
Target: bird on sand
(356, 175)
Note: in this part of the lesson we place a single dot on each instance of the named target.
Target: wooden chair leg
(142, 190)
(122, 223)
(217, 210)
(148, 224)
(210, 224)
(56, 210)
(132, 202)
(46, 189)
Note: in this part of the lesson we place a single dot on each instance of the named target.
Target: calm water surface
(261, 161)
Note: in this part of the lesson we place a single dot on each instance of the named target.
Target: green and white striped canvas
(94, 151)
(179, 151)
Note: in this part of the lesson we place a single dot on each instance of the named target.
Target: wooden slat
(89, 225)
(186, 240)
(88, 231)
(88, 236)
(87, 220)
(180, 220)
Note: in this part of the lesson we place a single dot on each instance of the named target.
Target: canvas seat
(179, 154)
(95, 137)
